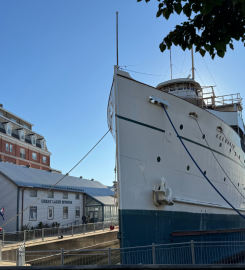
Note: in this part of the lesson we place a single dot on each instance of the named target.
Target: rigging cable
(183, 63)
(143, 63)
(211, 75)
(218, 161)
(200, 168)
(59, 180)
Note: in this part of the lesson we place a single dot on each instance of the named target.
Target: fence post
(103, 225)
(94, 227)
(58, 232)
(192, 252)
(83, 228)
(42, 234)
(71, 230)
(17, 257)
(24, 235)
(153, 254)
(0, 250)
(109, 256)
(33, 235)
(62, 257)
(3, 236)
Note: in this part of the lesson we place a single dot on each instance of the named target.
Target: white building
(67, 202)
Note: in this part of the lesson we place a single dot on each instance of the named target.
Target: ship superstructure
(162, 195)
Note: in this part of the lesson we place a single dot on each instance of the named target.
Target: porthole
(205, 172)
(181, 127)
(220, 144)
(158, 159)
(203, 136)
(188, 168)
(224, 178)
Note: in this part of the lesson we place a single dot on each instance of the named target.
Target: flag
(2, 212)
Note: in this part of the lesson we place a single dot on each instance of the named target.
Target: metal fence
(188, 253)
(59, 232)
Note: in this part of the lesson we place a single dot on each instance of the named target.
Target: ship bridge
(227, 107)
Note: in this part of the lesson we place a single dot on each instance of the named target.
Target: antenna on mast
(171, 63)
(117, 35)
(192, 60)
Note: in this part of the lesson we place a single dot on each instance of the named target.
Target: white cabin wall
(8, 195)
(42, 208)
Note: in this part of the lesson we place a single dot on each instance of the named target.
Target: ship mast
(117, 35)
(192, 60)
(171, 64)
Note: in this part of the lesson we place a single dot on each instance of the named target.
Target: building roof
(28, 177)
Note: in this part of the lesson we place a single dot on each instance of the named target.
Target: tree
(217, 23)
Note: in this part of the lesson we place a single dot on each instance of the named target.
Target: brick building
(19, 144)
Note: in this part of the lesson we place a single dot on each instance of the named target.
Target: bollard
(62, 257)
(109, 256)
(153, 254)
(193, 252)
(71, 230)
(24, 235)
(42, 234)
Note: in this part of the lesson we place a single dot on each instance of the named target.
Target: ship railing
(186, 253)
(222, 101)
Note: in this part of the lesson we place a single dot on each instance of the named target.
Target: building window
(44, 160)
(33, 193)
(34, 156)
(33, 213)
(11, 148)
(22, 135)
(50, 194)
(8, 128)
(1, 113)
(65, 195)
(12, 119)
(33, 140)
(42, 142)
(65, 212)
(77, 196)
(7, 147)
(25, 126)
(50, 212)
(22, 153)
(77, 212)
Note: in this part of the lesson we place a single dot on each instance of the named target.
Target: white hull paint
(132, 119)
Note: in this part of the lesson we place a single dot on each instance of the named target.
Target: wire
(211, 75)
(200, 168)
(218, 161)
(183, 63)
(200, 78)
(59, 180)
(147, 73)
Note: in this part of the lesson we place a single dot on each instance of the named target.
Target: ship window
(181, 126)
(239, 157)
(224, 178)
(205, 172)
(222, 139)
(217, 135)
(188, 168)
(238, 184)
(230, 151)
(220, 144)
(158, 159)
(203, 136)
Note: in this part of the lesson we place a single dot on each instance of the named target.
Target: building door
(93, 216)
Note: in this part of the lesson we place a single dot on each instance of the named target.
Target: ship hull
(148, 150)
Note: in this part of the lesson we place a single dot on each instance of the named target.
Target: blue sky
(56, 68)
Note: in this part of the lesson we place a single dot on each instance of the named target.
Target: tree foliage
(211, 24)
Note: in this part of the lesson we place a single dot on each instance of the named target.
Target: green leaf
(202, 52)
(207, 6)
(221, 53)
(162, 47)
(178, 7)
(243, 7)
(166, 13)
(207, 47)
(231, 46)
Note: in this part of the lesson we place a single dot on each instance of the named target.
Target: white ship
(162, 195)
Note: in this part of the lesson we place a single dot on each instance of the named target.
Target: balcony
(23, 155)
